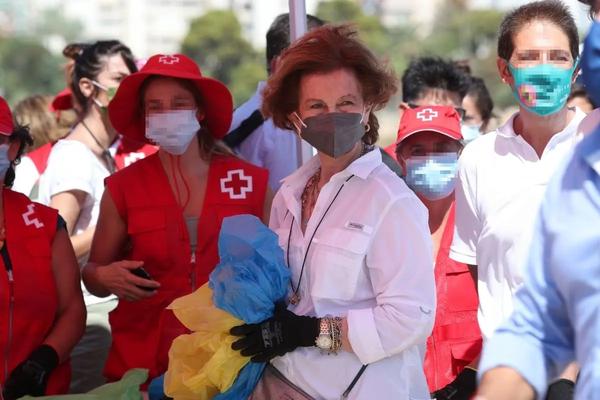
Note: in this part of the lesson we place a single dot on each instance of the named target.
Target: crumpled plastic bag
(128, 388)
(250, 278)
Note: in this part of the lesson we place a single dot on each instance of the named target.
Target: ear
(504, 71)
(200, 115)
(402, 163)
(274, 64)
(87, 87)
(13, 150)
(295, 122)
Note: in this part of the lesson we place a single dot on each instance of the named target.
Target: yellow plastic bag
(128, 388)
(202, 364)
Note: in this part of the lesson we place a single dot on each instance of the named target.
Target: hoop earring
(367, 128)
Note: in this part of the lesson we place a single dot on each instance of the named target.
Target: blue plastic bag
(249, 279)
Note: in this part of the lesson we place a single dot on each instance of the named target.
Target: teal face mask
(542, 89)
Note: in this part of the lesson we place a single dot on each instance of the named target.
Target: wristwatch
(324, 341)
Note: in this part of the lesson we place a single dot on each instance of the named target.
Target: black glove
(562, 389)
(276, 336)
(461, 388)
(31, 376)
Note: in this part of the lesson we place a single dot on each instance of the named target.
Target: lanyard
(295, 298)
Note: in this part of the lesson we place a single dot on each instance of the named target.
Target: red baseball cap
(62, 101)
(123, 109)
(6, 118)
(440, 119)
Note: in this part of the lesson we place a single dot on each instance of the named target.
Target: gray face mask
(334, 133)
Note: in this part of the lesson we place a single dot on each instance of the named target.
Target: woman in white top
(355, 237)
(73, 183)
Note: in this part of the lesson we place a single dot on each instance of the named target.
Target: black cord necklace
(295, 297)
(106, 156)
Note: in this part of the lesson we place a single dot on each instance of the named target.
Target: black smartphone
(142, 273)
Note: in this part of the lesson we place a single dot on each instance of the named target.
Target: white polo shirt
(501, 182)
(370, 261)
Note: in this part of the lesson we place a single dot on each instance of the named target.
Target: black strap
(6, 257)
(353, 383)
(239, 134)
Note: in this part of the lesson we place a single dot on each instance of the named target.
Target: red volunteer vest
(130, 151)
(40, 157)
(142, 331)
(456, 338)
(30, 229)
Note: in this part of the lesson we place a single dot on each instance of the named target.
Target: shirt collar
(361, 168)
(507, 130)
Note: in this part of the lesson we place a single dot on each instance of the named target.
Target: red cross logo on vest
(133, 157)
(168, 60)
(236, 184)
(28, 221)
(427, 115)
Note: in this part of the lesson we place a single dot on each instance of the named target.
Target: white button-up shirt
(501, 182)
(370, 261)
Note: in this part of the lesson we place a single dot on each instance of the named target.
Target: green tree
(215, 42)
(26, 68)
(463, 34)
(393, 44)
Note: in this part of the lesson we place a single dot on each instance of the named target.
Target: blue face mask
(4, 161)
(432, 176)
(542, 89)
(470, 132)
(590, 63)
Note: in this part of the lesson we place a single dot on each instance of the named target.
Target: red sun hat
(124, 112)
(62, 101)
(6, 119)
(441, 119)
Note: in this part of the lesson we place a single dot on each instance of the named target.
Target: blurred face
(539, 42)
(164, 94)
(109, 77)
(472, 115)
(336, 91)
(424, 144)
(13, 147)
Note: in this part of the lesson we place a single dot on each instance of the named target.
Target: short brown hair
(548, 10)
(326, 49)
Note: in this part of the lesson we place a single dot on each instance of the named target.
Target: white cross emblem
(38, 224)
(168, 59)
(427, 115)
(132, 157)
(236, 187)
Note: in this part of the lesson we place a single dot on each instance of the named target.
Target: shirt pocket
(461, 290)
(147, 229)
(336, 262)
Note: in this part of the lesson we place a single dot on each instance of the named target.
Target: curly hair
(325, 49)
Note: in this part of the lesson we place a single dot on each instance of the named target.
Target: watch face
(324, 342)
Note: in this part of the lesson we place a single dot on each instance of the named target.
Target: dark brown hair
(548, 10)
(326, 49)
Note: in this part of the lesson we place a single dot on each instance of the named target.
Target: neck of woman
(191, 161)
(438, 212)
(331, 166)
(537, 130)
(98, 126)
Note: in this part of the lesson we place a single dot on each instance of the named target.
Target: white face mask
(172, 130)
(4, 161)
